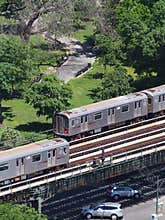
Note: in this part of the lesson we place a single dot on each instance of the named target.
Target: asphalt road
(143, 211)
(78, 60)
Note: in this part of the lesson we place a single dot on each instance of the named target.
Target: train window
(54, 153)
(84, 118)
(22, 161)
(4, 167)
(98, 116)
(76, 121)
(111, 111)
(149, 101)
(160, 98)
(124, 108)
(72, 122)
(140, 104)
(163, 97)
(17, 162)
(65, 150)
(65, 121)
(135, 105)
(36, 157)
(49, 154)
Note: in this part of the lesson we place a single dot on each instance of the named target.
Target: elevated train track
(77, 170)
(117, 147)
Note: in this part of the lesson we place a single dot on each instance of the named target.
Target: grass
(83, 85)
(82, 34)
(21, 116)
(81, 88)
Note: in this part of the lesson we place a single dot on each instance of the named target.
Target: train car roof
(98, 106)
(159, 90)
(31, 149)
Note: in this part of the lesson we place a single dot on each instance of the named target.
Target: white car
(107, 209)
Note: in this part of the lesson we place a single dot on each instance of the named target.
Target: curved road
(80, 58)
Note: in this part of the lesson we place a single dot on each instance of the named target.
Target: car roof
(109, 204)
(103, 105)
(32, 148)
(159, 90)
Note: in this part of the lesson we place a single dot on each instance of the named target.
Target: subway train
(93, 118)
(43, 156)
(32, 159)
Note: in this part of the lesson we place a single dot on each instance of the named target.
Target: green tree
(10, 137)
(110, 50)
(27, 12)
(49, 96)
(15, 67)
(141, 25)
(9, 211)
(115, 83)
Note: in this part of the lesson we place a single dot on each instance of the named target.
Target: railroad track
(110, 145)
(71, 203)
(120, 135)
(117, 130)
(115, 145)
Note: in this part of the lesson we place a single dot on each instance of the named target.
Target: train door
(138, 108)
(111, 116)
(20, 166)
(84, 123)
(59, 124)
(51, 158)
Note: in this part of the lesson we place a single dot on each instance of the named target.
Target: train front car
(68, 124)
(100, 116)
(156, 100)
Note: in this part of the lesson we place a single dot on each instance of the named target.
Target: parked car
(121, 191)
(107, 209)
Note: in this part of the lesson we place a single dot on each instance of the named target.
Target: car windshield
(92, 206)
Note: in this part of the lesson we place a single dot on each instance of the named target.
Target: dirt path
(79, 60)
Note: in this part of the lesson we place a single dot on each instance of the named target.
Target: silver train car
(29, 160)
(156, 100)
(100, 116)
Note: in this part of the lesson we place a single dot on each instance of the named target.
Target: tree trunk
(25, 28)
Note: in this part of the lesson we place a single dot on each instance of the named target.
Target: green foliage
(10, 137)
(115, 83)
(15, 66)
(21, 116)
(46, 58)
(141, 24)
(83, 86)
(49, 96)
(19, 212)
(83, 34)
(110, 50)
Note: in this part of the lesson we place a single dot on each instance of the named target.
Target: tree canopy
(115, 82)
(49, 96)
(15, 68)
(48, 16)
(138, 34)
(9, 211)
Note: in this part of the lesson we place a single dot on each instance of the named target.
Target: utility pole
(157, 194)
